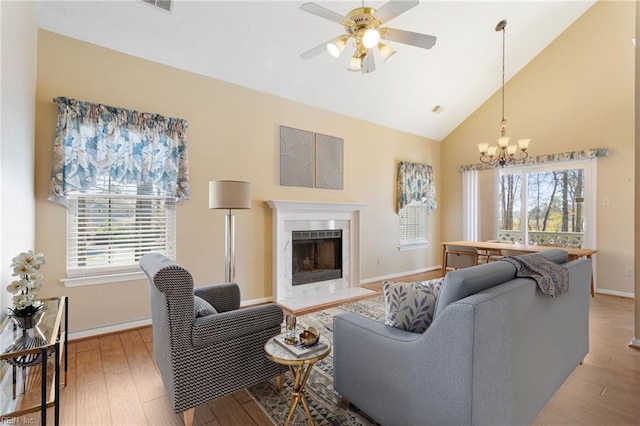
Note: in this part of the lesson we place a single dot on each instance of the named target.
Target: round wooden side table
(300, 369)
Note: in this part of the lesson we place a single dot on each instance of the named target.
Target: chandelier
(504, 153)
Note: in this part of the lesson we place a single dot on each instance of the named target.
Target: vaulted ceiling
(257, 44)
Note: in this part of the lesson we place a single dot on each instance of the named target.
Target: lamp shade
(229, 194)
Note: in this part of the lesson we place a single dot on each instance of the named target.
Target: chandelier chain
(503, 57)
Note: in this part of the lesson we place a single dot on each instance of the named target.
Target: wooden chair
(458, 257)
(486, 256)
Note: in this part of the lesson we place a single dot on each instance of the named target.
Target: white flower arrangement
(26, 266)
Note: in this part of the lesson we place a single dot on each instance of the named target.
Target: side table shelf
(24, 389)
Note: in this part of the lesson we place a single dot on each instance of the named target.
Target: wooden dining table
(574, 253)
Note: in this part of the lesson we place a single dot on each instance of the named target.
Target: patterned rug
(324, 403)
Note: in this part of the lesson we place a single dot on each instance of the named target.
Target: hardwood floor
(113, 380)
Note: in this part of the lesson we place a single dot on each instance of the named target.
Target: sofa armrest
(223, 297)
(378, 366)
(229, 325)
(374, 329)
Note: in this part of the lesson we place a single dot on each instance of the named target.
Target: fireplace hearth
(317, 256)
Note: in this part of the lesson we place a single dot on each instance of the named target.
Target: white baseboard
(400, 274)
(260, 301)
(92, 332)
(635, 343)
(614, 293)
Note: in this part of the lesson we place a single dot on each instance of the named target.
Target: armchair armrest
(225, 326)
(223, 297)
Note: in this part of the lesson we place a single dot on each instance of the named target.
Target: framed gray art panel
(296, 157)
(329, 173)
(311, 160)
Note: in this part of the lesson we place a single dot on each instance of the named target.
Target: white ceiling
(257, 44)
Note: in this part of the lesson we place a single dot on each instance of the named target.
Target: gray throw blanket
(552, 279)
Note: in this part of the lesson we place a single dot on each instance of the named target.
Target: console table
(43, 347)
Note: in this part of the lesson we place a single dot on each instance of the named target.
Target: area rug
(324, 403)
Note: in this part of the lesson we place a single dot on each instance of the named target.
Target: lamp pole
(230, 247)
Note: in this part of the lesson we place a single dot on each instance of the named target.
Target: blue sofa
(497, 350)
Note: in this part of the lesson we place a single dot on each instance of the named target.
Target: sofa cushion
(410, 306)
(202, 308)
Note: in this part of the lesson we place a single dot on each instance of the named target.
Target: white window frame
(413, 216)
(119, 259)
(589, 167)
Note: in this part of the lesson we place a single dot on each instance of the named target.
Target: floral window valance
(416, 183)
(547, 158)
(94, 141)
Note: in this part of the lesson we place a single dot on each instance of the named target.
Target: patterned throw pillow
(410, 306)
(202, 308)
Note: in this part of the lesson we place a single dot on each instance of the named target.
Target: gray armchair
(203, 358)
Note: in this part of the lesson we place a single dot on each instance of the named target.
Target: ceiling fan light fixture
(365, 26)
(386, 52)
(336, 47)
(356, 64)
(371, 38)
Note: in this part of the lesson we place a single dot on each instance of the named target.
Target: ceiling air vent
(162, 4)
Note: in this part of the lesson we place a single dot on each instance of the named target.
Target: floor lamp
(229, 194)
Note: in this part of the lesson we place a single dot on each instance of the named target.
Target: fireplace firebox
(316, 256)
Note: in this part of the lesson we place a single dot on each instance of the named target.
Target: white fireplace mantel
(312, 215)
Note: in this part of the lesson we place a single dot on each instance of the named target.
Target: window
(413, 225)
(416, 197)
(545, 204)
(119, 172)
(111, 226)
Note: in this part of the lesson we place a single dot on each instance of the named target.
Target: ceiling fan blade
(323, 12)
(318, 49)
(368, 63)
(393, 8)
(424, 41)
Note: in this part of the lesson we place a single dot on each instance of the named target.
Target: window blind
(109, 232)
(413, 224)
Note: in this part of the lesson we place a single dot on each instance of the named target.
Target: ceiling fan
(364, 25)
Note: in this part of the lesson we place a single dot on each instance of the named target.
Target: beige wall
(577, 94)
(233, 134)
(17, 202)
